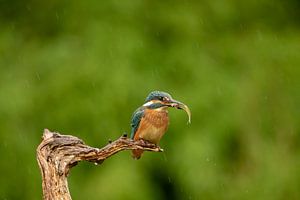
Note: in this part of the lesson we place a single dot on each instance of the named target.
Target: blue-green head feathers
(157, 95)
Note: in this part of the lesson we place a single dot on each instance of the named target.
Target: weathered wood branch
(57, 154)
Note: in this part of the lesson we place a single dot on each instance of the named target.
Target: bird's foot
(145, 142)
(149, 144)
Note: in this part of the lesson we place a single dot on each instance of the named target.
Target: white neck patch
(148, 103)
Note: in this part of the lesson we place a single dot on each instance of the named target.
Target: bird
(150, 121)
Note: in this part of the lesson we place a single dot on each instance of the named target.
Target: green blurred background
(82, 68)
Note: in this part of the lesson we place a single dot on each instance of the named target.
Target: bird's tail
(137, 153)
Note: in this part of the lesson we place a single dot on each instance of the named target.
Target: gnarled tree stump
(57, 154)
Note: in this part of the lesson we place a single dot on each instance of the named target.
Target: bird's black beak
(177, 104)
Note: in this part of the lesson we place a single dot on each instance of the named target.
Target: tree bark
(57, 154)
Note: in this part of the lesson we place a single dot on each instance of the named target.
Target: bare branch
(57, 154)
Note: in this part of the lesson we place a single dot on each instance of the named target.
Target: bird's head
(159, 100)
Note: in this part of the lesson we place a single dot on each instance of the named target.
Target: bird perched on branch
(150, 121)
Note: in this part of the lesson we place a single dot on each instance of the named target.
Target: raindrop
(141, 43)
(219, 90)
(27, 84)
(165, 157)
(28, 7)
(259, 35)
(38, 76)
(201, 21)
(154, 72)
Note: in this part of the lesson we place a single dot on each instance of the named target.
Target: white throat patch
(148, 103)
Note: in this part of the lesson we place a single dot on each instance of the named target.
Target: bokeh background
(83, 67)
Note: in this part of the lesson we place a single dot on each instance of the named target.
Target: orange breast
(153, 126)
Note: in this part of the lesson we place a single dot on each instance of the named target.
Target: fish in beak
(177, 104)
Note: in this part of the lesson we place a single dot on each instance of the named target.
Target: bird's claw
(144, 142)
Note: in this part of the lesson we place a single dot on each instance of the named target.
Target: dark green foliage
(83, 67)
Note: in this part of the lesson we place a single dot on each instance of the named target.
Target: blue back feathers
(135, 121)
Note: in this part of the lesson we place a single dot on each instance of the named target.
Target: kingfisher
(150, 121)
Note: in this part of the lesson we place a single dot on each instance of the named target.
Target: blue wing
(135, 121)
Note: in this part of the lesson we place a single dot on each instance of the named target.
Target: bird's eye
(165, 99)
(161, 98)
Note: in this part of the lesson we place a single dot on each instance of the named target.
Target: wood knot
(47, 134)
